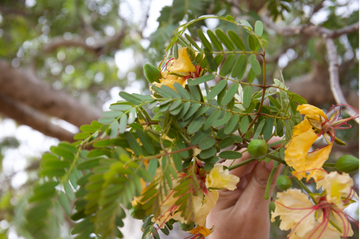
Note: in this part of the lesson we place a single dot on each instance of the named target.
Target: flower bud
(257, 148)
(347, 164)
(152, 73)
(283, 182)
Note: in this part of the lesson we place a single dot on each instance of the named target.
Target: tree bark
(28, 89)
(35, 119)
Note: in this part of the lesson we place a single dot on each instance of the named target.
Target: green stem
(306, 189)
(242, 163)
(270, 179)
(329, 165)
(276, 158)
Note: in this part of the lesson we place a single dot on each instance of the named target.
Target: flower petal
(315, 160)
(295, 211)
(297, 150)
(311, 111)
(183, 63)
(220, 178)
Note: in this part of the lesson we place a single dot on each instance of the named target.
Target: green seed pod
(347, 164)
(137, 212)
(152, 73)
(283, 182)
(257, 148)
(186, 227)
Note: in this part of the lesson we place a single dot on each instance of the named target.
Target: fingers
(255, 189)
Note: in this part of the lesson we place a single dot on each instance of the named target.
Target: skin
(244, 213)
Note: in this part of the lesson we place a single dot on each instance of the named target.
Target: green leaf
(153, 164)
(299, 99)
(202, 79)
(170, 91)
(259, 28)
(225, 39)
(183, 93)
(209, 121)
(244, 124)
(253, 42)
(210, 59)
(120, 107)
(184, 110)
(251, 76)
(230, 18)
(133, 143)
(246, 23)
(152, 73)
(269, 126)
(205, 154)
(113, 114)
(177, 110)
(259, 129)
(226, 142)
(203, 39)
(255, 64)
(214, 40)
(195, 93)
(217, 89)
(199, 136)
(106, 120)
(274, 102)
(239, 67)
(88, 128)
(229, 95)
(88, 164)
(177, 162)
(201, 111)
(130, 98)
(247, 96)
(230, 155)
(161, 92)
(114, 129)
(84, 135)
(228, 65)
(231, 125)
(195, 125)
(207, 143)
(175, 104)
(145, 141)
(62, 152)
(236, 40)
(193, 109)
(192, 42)
(176, 51)
(222, 121)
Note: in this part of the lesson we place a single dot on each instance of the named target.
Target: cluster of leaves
(129, 147)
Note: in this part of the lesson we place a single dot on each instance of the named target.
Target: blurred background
(62, 63)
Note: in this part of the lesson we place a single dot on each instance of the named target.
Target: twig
(310, 30)
(334, 77)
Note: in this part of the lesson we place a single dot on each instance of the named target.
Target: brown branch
(35, 119)
(309, 29)
(102, 46)
(334, 76)
(28, 89)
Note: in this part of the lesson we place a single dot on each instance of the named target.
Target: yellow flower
(322, 221)
(337, 187)
(201, 230)
(220, 178)
(304, 135)
(181, 66)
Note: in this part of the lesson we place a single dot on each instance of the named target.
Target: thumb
(255, 189)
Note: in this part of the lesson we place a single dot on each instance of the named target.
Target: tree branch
(334, 77)
(36, 120)
(28, 89)
(309, 30)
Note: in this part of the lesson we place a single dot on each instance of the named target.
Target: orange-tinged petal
(202, 230)
(298, 148)
(183, 63)
(310, 111)
(300, 128)
(315, 160)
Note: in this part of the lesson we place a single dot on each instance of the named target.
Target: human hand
(244, 213)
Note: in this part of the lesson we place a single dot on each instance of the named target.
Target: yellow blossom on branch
(314, 125)
(178, 70)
